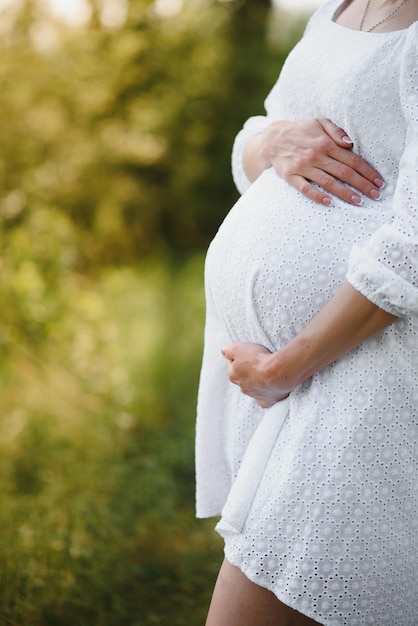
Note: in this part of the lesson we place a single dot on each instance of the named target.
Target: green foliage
(129, 130)
(96, 441)
(114, 175)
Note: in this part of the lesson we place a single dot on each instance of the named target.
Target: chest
(335, 72)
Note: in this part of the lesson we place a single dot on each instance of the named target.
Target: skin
(347, 320)
(302, 152)
(311, 150)
(238, 602)
(314, 150)
(351, 13)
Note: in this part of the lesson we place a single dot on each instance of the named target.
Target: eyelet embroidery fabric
(320, 496)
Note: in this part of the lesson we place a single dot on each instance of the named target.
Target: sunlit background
(117, 120)
(78, 12)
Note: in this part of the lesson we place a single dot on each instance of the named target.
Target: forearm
(346, 321)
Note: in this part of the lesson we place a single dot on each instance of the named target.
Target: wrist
(282, 368)
(261, 148)
(296, 361)
(253, 158)
(264, 150)
(272, 140)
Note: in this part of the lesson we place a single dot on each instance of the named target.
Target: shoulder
(412, 36)
(409, 75)
(409, 58)
(325, 12)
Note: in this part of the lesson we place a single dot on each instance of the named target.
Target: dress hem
(269, 588)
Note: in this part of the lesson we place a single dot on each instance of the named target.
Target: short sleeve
(385, 270)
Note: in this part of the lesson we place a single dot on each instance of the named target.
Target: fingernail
(375, 194)
(379, 183)
(347, 139)
(357, 200)
(327, 201)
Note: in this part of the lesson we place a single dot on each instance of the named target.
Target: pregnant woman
(307, 430)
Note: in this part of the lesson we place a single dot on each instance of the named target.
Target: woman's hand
(249, 367)
(313, 151)
(343, 323)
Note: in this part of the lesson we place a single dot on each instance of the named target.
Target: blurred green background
(114, 165)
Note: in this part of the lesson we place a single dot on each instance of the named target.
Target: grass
(97, 520)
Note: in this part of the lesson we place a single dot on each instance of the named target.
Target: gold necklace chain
(386, 19)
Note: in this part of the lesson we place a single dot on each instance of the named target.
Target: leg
(236, 601)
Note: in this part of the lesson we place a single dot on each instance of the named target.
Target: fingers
(357, 172)
(330, 182)
(333, 176)
(309, 190)
(346, 166)
(318, 151)
(336, 133)
(227, 352)
(346, 156)
(335, 181)
(327, 183)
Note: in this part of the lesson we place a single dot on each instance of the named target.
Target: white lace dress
(320, 493)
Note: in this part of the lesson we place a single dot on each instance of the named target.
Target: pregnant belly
(278, 257)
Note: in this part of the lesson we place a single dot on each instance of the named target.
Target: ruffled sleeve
(385, 270)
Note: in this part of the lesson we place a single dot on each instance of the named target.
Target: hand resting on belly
(313, 151)
(343, 323)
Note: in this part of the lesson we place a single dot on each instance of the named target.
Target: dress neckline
(343, 5)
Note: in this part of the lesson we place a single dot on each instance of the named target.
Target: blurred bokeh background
(117, 119)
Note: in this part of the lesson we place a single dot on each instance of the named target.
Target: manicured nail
(379, 183)
(375, 194)
(356, 200)
(347, 139)
(327, 201)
